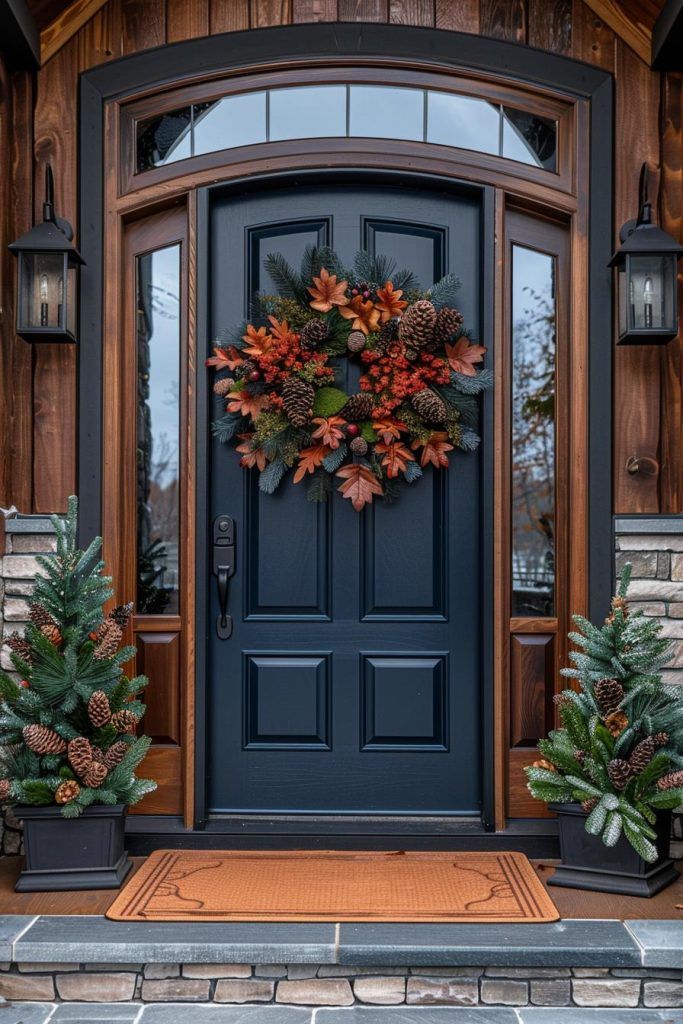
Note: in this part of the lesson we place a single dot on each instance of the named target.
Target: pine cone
(114, 756)
(355, 342)
(5, 789)
(51, 633)
(80, 755)
(357, 408)
(674, 780)
(430, 407)
(589, 805)
(642, 754)
(124, 721)
(619, 772)
(661, 739)
(98, 755)
(314, 333)
(448, 322)
(95, 775)
(616, 723)
(20, 646)
(121, 614)
(99, 711)
(620, 604)
(609, 694)
(359, 446)
(417, 324)
(298, 396)
(543, 762)
(40, 616)
(223, 386)
(109, 637)
(42, 740)
(67, 791)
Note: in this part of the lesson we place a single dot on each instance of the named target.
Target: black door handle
(223, 569)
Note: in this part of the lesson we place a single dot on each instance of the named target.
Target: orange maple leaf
(281, 330)
(360, 484)
(329, 430)
(390, 302)
(251, 456)
(396, 457)
(309, 460)
(388, 428)
(434, 450)
(258, 341)
(364, 315)
(225, 358)
(328, 292)
(247, 404)
(462, 356)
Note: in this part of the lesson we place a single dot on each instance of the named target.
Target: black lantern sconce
(647, 284)
(47, 286)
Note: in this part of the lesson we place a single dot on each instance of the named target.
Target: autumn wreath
(279, 377)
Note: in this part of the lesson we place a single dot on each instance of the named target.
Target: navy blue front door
(352, 681)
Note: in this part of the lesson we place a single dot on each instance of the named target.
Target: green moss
(367, 433)
(328, 401)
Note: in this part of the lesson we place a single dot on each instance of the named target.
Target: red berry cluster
(285, 357)
(393, 378)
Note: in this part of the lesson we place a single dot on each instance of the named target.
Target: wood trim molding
(66, 25)
(634, 34)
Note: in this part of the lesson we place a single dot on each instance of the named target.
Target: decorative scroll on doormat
(210, 885)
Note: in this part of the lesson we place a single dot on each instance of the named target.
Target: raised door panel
(404, 702)
(286, 700)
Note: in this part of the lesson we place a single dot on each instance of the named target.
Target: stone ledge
(648, 524)
(29, 524)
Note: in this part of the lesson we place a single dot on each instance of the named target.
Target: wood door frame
(104, 211)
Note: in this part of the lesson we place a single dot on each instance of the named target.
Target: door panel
(353, 678)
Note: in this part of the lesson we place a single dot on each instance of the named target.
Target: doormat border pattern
(289, 886)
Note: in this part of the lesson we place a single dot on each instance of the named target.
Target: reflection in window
(529, 138)
(386, 112)
(533, 432)
(158, 430)
(230, 122)
(320, 108)
(464, 122)
(165, 139)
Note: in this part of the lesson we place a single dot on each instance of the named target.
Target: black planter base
(604, 881)
(69, 879)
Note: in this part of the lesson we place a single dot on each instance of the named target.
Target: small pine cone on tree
(51, 632)
(661, 739)
(561, 700)
(43, 740)
(642, 754)
(298, 396)
(387, 334)
(99, 711)
(109, 637)
(114, 756)
(416, 328)
(619, 772)
(5, 790)
(674, 780)
(98, 755)
(223, 386)
(40, 616)
(313, 334)
(95, 775)
(121, 614)
(355, 342)
(589, 805)
(430, 407)
(80, 755)
(616, 723)
(67, 791)
(357, 408)
(609, 694)
(359, 446)
(124, 721)
(448, 322)
(20, 646)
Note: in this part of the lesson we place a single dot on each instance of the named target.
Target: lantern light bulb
(44, 292)
(60, 289)
(648, 296)
(648, 291)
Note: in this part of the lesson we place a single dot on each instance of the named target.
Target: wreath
(416, 399)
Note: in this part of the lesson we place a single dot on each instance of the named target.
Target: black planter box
(588, 864)
(73, 853)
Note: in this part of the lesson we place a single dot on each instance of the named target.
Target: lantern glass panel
(649, 302)
(44, 284)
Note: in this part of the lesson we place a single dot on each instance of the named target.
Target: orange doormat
(233, 885)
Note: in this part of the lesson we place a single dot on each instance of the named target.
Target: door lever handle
(223, 569)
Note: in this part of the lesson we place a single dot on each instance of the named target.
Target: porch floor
(571, 903)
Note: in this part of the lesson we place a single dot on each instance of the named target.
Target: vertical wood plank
(550, 25)
(503, 19)
(671, 219)
(592, 40)
(186, 19)
(228, 16)
(412, 12)
(458, 15)
(100, 39)
(637, 385)
(143, 24)
(364, 10)
(314, 10)
(270, 12)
